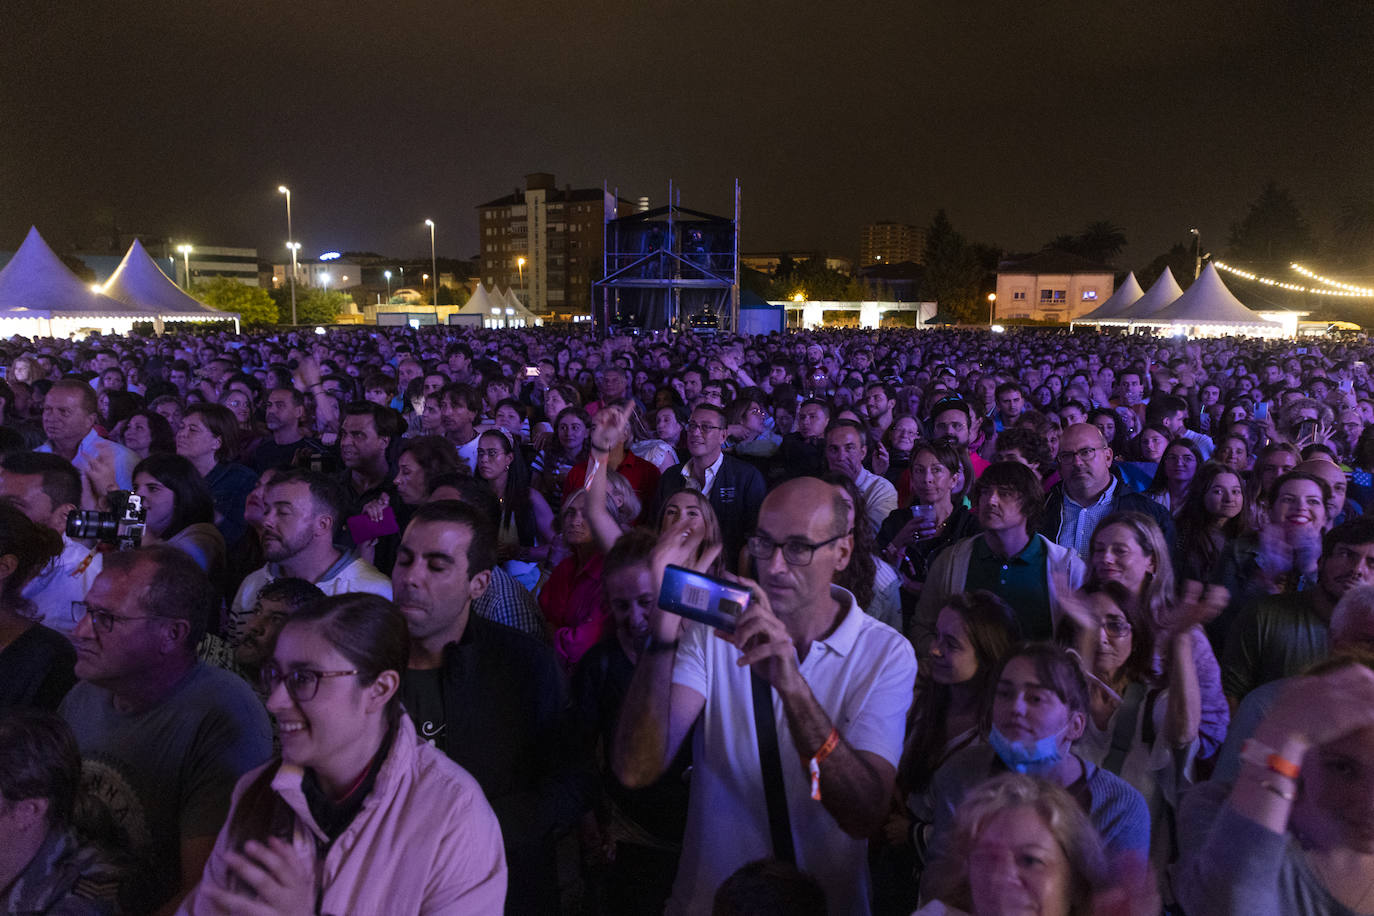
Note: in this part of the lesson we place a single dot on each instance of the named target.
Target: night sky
(1023, 120)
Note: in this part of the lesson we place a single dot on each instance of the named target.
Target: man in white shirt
(302, 518)
(846, 447)
(70, 412)
(840, 683)
(46, 488)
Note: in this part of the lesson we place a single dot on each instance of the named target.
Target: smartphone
(705, 599)
(363, 528)
(1262, 410)
(531, 372)
(1347, 385)
(1307, 429)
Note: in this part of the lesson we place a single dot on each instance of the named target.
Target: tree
(254, 305)
(1178, 259)
(1352, 242)
(955, 271)
(1273, 232)
(1101, 241)
(321, 306)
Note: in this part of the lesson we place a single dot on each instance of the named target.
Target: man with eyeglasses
(163, 738)
(734, 487)
(1089, 491)
(840, 684)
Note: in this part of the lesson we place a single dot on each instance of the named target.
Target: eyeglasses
(758, 411)
(102, 620)
(692, 426)
(1116, 627)
(794, 550)
(1083, 454)
(301, 683)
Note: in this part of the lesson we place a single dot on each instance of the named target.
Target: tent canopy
(479, 303)
(1208, 301)
(1126, 295)
(1164, 292)
(141, 284)
(36, 284)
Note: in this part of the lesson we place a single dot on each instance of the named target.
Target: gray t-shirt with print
(167, 772)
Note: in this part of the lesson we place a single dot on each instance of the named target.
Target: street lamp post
(1197, 263)
(992, 309)
(186, 262)
(387, 274)
(433, 262)
(290, 243)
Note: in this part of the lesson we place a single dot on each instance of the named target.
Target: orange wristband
(1263, 755)
(832, 741)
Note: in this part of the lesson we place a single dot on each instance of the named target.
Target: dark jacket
(1124, 499)
(510, 724)
(736, 495)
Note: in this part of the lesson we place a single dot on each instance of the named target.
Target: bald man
(835, 683)
(1089, 490)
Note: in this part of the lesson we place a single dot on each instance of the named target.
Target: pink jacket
(425, 841)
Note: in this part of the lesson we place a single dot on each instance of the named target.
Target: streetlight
(186, 260)
(520, 267)
(992, 308)
(433, 262)
(387, 274)
(293, 245)
(1197, 264)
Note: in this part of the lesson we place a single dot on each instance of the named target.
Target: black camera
(122, 525)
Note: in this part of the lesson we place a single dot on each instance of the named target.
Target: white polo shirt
(862, 675)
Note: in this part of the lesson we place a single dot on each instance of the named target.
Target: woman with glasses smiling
(358, 815)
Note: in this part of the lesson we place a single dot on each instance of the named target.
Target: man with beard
(285, 414)
(303, 511)
(1280, 635)
(1008, 558)
(276, 601)
(490, 697)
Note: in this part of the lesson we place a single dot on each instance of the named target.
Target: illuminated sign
(330, 256)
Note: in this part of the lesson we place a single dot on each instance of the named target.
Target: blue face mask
(1035, 758)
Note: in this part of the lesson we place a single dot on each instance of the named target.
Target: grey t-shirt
(167, 772)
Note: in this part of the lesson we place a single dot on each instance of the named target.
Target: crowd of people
(371, 621)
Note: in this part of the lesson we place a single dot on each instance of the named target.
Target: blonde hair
(1061, 815)
(710, 525)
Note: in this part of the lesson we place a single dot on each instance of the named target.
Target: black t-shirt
(36, 669)
(422, 693)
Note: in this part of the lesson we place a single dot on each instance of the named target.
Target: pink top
(571, 602)
(425, 841)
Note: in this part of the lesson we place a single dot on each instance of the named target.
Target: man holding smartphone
(840, 684)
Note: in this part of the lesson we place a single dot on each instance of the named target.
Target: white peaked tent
(41, 297)
(524, 318)
(1126, 295)
(476, 312)
(1164, 292)
(141, 284)
(1208, 303)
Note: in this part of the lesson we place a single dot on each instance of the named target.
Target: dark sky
(1024, 120)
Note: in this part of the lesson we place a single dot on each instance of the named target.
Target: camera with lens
(122, 526)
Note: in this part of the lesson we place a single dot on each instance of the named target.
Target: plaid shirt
(508, 602)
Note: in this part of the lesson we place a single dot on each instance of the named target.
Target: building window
(1089, 295)
(1053, 295)
(1018, 295)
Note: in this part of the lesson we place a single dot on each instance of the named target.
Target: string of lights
(1345, 291)
(1327, 281)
